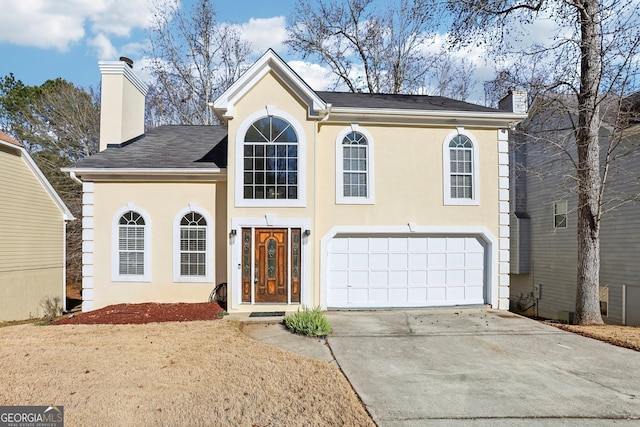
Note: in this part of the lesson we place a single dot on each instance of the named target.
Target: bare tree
(595, 57)
(59, 124)
(452, 77)
(194, 59)
(368, 46)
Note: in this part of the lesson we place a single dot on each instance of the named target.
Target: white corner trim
(340, 198)
(446, 171)
(115, 238)
(240, 201)
(209, 266)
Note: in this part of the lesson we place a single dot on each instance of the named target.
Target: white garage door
(405, 271)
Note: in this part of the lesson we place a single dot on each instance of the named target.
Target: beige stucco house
(32, 235)
(300, 197)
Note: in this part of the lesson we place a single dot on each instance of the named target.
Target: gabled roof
(165, 147)
(37, 173)
(400, 102)
(6, 138)
(269, 62)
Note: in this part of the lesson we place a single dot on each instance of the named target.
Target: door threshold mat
(266, 314)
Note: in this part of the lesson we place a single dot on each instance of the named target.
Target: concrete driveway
(481, 367)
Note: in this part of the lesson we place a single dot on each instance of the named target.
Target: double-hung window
(193, 245)
(131, 246)
(354, 175)
(460, 163)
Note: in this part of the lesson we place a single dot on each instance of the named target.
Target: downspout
(73, 176)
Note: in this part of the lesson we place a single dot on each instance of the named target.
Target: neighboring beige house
(32, 235)
(328, 199)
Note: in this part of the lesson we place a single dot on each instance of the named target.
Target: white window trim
(240, 201)
(446, 167)
(566, 214)
(177, 277)
(340, 197)
(115, 240)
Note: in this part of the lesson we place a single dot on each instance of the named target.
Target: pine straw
(623, 336)
(176, 373)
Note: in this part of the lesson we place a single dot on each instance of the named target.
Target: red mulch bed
(121, 314)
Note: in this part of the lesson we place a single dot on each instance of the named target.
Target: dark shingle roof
(400, 102)
(166, 147)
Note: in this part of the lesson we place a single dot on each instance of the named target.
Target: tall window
(354, 165)
(461, 167)
(193, 245)
(131, 244)
(270, 160)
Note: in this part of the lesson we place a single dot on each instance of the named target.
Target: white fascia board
(31, 164)
(146, 172)
(270, 61)
(120, 67)
(485, 119)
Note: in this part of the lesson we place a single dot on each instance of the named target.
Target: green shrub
(308, 322)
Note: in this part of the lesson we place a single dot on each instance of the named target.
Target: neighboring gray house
(544, 211)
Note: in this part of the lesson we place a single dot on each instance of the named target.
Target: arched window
(354, 161)
(354, 168)
(460, 152)
(461, 167)
(193, 245)
(270, 160)
(131, 244)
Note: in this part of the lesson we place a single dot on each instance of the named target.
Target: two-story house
(300, 197)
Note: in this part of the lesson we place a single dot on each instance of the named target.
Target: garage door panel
(379, 279)
(379, 261)
(417, 295)
(405, 271)
(437, 261)
(398, 296)
(359, 261)
(418, 278)
(379, 244)
(359, 278)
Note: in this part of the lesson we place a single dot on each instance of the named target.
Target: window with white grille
(131, 244)
(460, 167)
(193, 245)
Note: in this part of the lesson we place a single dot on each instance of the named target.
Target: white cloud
(316, 76)
(103, 48)
(59, 24)
(265, 33)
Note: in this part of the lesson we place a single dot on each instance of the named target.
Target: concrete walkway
(475, 367)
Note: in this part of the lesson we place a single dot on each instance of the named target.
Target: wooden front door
(271, 265)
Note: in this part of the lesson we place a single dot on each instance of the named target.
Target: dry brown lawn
(623, 336)
(176, 373)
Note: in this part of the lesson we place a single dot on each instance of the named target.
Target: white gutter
(143, 171)
(73, 176)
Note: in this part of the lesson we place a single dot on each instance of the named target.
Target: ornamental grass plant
(308, 321)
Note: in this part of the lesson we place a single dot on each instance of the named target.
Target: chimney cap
(127, 61)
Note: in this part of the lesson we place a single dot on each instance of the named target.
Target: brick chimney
(122, 103)
(514, 102)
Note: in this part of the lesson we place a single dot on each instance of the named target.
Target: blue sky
(45, 39)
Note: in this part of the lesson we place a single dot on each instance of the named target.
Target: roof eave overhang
(224, 105)
(498, 120)
(154, 174)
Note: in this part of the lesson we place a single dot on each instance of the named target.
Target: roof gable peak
(270, 61)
